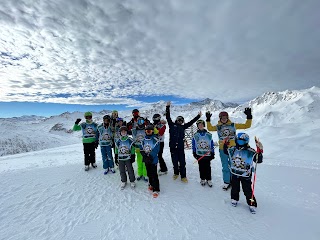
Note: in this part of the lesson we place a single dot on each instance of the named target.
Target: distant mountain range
(30, 133)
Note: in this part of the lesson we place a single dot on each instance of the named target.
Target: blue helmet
(242, 139)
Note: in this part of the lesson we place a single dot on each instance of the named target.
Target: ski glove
(77, 121)
(208, 116)
(133, 158)
(195, 155)
(211, 156)
(96, 144)
(247, 111)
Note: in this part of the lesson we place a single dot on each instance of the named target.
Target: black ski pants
(205, 169)
(179, 162)
(89, 153)
(162, 163)
(246, 187)
(153, 176)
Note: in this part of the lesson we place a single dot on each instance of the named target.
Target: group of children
(147, 143)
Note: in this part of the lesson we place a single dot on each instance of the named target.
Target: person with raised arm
(176, 143)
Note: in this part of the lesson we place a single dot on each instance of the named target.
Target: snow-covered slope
(47, 195)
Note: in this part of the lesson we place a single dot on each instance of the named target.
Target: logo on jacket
(147, 148)
(203, 144)
(124, 150)
(106, 136)
(89, 130)
(238, 162)
(226, 132)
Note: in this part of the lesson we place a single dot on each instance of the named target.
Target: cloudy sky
(104, 52)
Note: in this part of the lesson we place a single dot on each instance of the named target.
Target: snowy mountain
(31, 133)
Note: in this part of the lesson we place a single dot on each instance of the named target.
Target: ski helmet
(106, 117)
(119, 119)
(180, 119)
(114, 113)
(156, 117)
(223, 114)
(87, 114)
(201, 121)
(242, 139)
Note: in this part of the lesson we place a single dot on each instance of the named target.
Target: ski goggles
(180, 120)
(157, 118)
(140, 121)
(88, 117)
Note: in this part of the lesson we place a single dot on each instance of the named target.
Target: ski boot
(234, 203)
(203, 182)
(123, 185)
(94, 165)
(106, 171)
(226, 186)
(209, 182)
(253, 209)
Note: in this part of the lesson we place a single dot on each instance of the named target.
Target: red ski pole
(202, 157)
(259, 150)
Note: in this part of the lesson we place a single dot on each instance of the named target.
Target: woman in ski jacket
(226, 128)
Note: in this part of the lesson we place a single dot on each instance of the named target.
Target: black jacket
(176, 131)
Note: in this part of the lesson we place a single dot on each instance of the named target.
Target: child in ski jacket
(89, 140)
(176, 143)
(242, 157)
(116, 134)
(149, 149)
(226, 128)
(138, 134)
(126, 156)
(203, 151)
(160, 127)
(105, 136)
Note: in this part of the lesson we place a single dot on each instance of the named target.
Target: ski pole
(259, 150)
(254, 181)
(202, 157)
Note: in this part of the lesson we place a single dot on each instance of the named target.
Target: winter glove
(208, 116)
(96, 144)
(77, 121)
(195, 155)
(116, 159)
(211, 156)
(133, 158)
(247, 111)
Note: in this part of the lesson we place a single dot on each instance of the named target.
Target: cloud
(110, 51)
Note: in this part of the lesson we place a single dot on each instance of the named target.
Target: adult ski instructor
(227, 129)
(176, 143)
